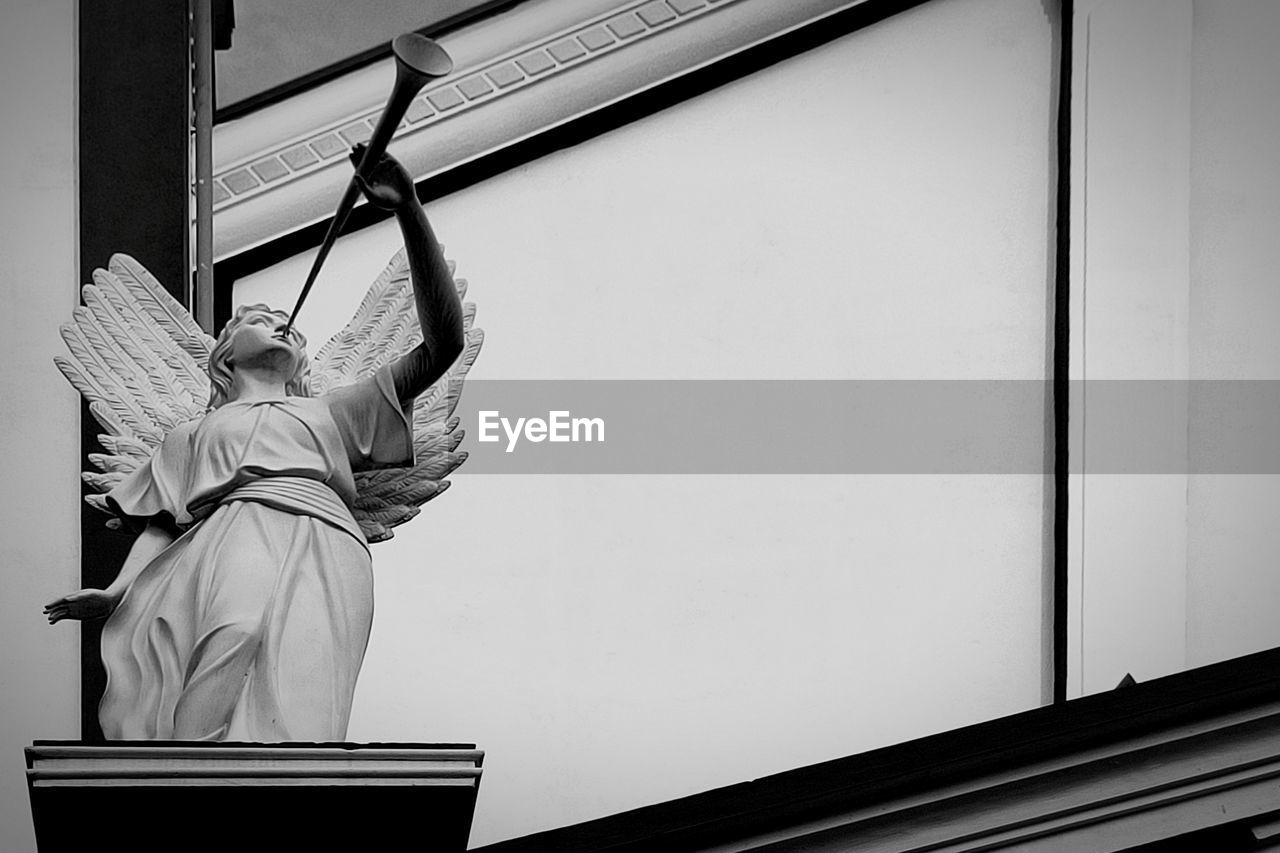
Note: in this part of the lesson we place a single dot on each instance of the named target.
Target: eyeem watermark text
(558, 426)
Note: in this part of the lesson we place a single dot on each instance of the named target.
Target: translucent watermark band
(867, 427)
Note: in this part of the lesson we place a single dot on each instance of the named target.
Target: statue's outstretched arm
(439, 310)
(99, 603)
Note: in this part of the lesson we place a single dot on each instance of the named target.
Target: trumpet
(418, 60)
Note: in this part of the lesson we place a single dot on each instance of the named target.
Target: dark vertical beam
(202, 46)
(134, 86)
(1061, 356)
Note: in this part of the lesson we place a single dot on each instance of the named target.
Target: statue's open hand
(385, 184)
(85, 604)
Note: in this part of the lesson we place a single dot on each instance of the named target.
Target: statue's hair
(220, 368)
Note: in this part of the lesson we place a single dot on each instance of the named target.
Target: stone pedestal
(171, 795)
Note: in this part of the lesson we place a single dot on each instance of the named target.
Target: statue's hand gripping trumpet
(255, 478)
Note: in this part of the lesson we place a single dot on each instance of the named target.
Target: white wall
(39, 419)
(613, 641)
(1233, 587)
(1177, 204)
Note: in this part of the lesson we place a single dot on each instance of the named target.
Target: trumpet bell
(421, 55)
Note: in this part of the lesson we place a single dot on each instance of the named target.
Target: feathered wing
(384, 327)
(140, 361)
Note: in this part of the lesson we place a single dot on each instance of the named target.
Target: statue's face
(259, 340)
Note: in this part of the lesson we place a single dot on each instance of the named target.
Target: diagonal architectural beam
(543, 65)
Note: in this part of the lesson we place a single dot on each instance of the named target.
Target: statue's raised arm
(435, 297)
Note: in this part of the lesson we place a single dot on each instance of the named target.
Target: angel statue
(255, 480)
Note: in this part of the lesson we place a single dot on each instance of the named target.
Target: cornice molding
(525, 72)
(1138, 792)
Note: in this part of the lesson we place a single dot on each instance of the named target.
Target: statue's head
(256, 333)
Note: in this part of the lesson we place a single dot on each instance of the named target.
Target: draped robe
(252, 624)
